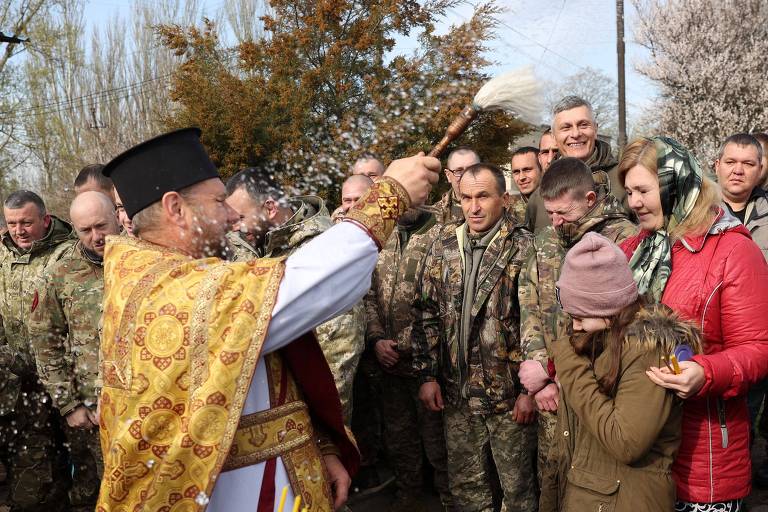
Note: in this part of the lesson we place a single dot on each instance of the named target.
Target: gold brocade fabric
(181, 339)
(379, 208)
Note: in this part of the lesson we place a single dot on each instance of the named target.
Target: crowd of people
(593, 340)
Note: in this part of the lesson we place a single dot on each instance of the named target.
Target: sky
(557, 37)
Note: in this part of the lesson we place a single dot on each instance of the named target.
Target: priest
(215, 394)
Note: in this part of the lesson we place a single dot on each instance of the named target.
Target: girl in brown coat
(618, 433)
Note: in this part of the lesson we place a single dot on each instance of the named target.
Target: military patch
(388, 206)
(35, 301)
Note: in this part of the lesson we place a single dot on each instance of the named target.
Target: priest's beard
(209, 236)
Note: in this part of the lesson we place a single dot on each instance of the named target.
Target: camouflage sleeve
(531, 332)
(425, 329)
(374, 331)
(48, 338)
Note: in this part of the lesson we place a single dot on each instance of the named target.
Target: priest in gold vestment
(215, 397)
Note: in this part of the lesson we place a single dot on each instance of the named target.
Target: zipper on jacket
(721, 417)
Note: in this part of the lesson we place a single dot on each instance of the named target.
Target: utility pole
(620, 59)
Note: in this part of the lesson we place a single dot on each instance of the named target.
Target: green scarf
(680, 179)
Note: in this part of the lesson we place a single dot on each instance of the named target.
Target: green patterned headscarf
(680, 181)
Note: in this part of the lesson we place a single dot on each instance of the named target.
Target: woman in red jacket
(699, 260)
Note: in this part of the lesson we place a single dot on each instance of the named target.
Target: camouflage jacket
(518, 209)
(64, 329)
(342, 337)
(485, 372)
(541, 319)
(311, 219)
(389, 302)
(239, 249)
(19, 276)
(448, 210)
(605, 172)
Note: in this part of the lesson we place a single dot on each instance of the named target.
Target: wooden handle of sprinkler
(458, 126)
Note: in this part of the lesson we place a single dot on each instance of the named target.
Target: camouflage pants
(408, 427)
(547, 423)
(476, 441)
(366, 418)
(32, 453)
(88, 467)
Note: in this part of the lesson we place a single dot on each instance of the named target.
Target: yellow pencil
(296, 504)
(675, 366)
(283, 495)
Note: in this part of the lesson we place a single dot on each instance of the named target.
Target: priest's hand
(338, 479)
(80, 417)
(416, 174)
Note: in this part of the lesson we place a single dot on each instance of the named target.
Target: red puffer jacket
(720, 282)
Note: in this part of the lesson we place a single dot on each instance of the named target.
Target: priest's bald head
(173, 194)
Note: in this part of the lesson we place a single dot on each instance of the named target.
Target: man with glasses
(449, 207)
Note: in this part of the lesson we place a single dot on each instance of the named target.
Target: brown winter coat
(615, 453)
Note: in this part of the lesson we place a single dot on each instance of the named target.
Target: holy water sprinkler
(516, 92)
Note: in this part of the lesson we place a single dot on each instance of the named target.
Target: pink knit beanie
(595, 281)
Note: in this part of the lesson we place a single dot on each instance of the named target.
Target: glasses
(458, 172)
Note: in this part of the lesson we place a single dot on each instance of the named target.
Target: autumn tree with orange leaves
(322, 86)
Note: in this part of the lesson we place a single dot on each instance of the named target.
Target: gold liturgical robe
(181, 341)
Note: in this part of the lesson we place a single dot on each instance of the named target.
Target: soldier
(90, 178)
(547, 149)
(64, 331)
(34, 242)
(449, 207)
(352, 189)
(526, 172)
(368, 165)
(467, 347)
(277, 226)
(408, 426)
(576, 207)
(575, 131)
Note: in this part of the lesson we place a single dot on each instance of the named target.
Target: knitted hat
(595, 281)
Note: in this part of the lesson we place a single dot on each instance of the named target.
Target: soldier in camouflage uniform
(408, 426)
(579, 207)
(279, 226)
(448, 209)
(64, 331)
(467, 347)
(29, 427)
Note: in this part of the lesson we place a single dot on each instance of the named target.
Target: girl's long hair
(593, 344)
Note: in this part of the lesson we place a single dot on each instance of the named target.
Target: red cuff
(718, 373)
(551, 369)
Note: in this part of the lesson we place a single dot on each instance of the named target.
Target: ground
(757, 501)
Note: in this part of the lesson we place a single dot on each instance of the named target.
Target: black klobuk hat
(166, 163)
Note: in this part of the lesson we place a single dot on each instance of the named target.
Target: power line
(552, 30)
(63, 105)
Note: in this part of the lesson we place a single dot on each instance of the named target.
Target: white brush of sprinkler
(516, 92)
